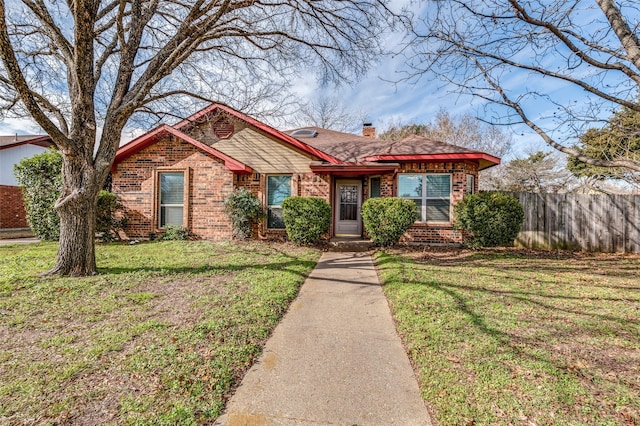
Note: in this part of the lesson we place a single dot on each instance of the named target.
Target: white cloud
(21, 126)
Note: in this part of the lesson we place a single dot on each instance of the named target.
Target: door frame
(336, 204)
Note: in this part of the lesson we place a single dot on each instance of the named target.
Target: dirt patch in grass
(507, 336)
(161, 336)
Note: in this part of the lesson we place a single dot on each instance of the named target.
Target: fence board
(606, 223)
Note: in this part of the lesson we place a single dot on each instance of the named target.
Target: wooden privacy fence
(604, 223)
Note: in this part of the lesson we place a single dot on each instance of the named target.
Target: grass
(503, 337)
(161, 336)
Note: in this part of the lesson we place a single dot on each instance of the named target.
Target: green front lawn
(161, 336)
(519, 337)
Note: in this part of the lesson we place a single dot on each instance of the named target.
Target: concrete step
(10, 233)
(342, 244)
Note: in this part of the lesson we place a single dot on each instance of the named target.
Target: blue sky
(385, 102)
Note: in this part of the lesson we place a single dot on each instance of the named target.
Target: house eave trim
(354, 169)
(44, 141)
(478, 156)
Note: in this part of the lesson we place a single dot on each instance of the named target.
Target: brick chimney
(368, 131)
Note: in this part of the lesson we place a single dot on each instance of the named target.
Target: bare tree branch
(97, 64)
(556, 67)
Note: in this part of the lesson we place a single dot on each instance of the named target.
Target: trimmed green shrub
(244, 209)
(306, 219)
(41, 179)
(387, 219)
(175, 233)
(106, 221)
(491, 219)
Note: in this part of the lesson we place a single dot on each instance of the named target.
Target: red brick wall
(12, 212)
(210, 183)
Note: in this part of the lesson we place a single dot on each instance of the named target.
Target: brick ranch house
(182, 174)
(13, 217)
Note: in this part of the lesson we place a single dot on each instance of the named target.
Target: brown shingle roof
(354, 149)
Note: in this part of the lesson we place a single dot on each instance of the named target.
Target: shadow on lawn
(539, 261)
(592, 339)
(287, 263)
(560, 348)
(222, 268)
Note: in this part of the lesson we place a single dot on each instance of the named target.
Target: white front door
(347, 211)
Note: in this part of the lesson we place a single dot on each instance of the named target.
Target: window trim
(423, 197)
(266, 195)
(185, 195)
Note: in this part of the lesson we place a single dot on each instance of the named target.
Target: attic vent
(304, 133)
(222, 127)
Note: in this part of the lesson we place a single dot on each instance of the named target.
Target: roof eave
(44, 141)
(484, 160)
(353, 169)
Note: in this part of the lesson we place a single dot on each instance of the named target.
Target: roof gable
(231, 163)
(158, 133)
(287, 139)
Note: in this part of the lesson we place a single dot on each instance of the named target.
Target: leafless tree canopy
(329, 112)
(81, 66)
(539, 171)
(465, 130)
(520, 54)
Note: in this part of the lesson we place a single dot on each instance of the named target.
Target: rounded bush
(306, 219)
(387, 219)
(244, 209)
(490, 219)
(41, 179)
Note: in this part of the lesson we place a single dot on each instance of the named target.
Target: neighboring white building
(12, 150)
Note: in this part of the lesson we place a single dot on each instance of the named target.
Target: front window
(431, 192)
(171, 199)
(278, 188)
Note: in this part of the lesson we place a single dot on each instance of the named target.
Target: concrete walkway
(334, 359)
(10, 241)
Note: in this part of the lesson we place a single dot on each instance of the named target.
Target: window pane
(438, 185)
(409, 185)
(470, 184)
(374, 187)
(278, 188)
(274, 218)
(348, 211)
(172, 188)
(419, 208)
(171, 215)
(438, 210)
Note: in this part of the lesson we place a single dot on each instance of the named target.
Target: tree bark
(77, 210)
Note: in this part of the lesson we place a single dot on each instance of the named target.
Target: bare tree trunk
(77, 210)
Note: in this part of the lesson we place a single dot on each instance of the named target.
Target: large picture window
(431, 192)
(278, 188)
(171, 198)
